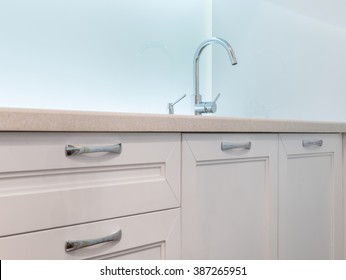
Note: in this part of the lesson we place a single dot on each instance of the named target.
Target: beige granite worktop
(82, 121)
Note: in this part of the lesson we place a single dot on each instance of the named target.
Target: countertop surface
(12, 119)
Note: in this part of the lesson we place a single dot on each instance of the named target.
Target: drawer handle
(307, 143)
(230, 146)
(77, 150)
(78, 244)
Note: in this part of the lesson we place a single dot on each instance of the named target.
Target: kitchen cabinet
(229, 196)
(172, 195)
(262, 196)
(310, 196)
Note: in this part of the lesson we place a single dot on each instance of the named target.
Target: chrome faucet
(208, 107)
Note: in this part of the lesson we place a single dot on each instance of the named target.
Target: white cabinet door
(310, 196)
(229, 197)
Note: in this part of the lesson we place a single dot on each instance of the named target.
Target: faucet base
(205, 107)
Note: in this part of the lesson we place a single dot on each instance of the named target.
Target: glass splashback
(136, 56)
(103, 55)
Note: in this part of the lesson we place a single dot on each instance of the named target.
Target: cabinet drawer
(147, 236)
(41, 188)
(225, 146)
(310, 143)
(25, 151)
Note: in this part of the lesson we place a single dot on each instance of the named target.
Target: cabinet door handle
(307, 143)
(78, 244)
(77, 150)
(230, 146)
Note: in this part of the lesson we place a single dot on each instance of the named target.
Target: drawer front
(25, 151)
(41, 188)
(147, 236)
(226, 146)
(310, 143)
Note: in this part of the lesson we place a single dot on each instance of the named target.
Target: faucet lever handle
(207, 107)
(212, 105)
(171, 105)
(216, 98)
(179, 99)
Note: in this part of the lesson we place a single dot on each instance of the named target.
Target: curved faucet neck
(213, 40)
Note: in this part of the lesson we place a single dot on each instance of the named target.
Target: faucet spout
(233, 59)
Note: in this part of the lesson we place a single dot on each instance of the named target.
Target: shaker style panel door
(229, 196)
(310, 196)
(147, 236)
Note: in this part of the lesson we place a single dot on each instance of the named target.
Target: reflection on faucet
(208, 107)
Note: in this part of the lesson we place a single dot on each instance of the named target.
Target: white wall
(291, 58)
(136, 56)
(107, 55)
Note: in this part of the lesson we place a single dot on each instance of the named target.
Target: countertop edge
(15, 119)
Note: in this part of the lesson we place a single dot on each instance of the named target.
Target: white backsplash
(136, 56)
(291, 57)
(103, 55)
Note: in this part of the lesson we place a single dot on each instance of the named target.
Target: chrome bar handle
(230, 146)
(77, 150)
(307, 143)
(78, 244)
